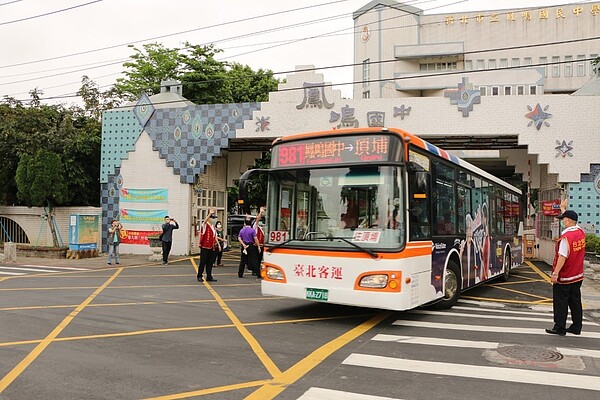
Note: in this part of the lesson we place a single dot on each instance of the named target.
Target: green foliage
(73, 134)
(592, 243)
(205, 79)
(40, 179)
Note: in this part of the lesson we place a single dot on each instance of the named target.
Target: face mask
(218, 225)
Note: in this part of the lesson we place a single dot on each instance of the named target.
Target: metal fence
(11, 231)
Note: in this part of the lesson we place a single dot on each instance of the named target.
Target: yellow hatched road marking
(18, 370)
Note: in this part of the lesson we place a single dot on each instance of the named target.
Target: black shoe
(574, 332)
(240, 276)
(200, 279)
(211, 280)
(556, 332)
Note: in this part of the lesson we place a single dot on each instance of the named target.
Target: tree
(248, 85)
(146, 69)
(41, 182)
(205, 79)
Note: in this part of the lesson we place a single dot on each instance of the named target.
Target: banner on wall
(144, 195)
(150, 217)
(551, 207)
(138, 237)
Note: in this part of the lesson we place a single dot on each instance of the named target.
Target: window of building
(581, 65)
(569, 66)
(507, 90)
(527, 62)
(555, 66)
(520, 90)
(544, 64)
(366, 94)
(441, 66)
(593, 57)
(515, 62)
(532, 89)
(492, 63)
(366, 71)
(468, 64)
(480, 64)
(503, 62)
(495, 90)
(483, 90)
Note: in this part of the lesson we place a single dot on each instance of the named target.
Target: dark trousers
(207, 259)
(251, 259)
(565, 297)
(219, 255)
(166, 247)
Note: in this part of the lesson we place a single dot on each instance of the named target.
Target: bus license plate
(317, 294)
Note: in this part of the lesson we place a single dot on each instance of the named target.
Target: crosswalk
(471, 345)
(26, 269)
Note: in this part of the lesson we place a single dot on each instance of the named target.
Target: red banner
(551, 207)
(137, 237)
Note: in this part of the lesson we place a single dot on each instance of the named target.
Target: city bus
(378, 217)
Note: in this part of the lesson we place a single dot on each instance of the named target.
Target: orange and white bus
(378, 217)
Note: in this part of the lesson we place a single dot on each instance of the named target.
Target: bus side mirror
(243, 188)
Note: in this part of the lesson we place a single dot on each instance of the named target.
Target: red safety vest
(208, 237)
(572, 270)
(260, 234)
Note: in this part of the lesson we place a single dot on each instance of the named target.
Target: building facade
(165, 155)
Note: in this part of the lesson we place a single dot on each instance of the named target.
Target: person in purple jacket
(249, 246)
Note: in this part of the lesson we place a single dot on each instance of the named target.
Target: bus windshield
(355, 207)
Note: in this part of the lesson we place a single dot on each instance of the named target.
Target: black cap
(166, 216)
(569, 214)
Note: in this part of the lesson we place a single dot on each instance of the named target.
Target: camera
(214, 216)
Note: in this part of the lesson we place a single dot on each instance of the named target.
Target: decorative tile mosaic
(120, 131)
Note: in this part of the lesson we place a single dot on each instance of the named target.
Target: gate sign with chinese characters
(337, 150)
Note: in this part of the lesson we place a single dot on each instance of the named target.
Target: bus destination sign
(336, 150)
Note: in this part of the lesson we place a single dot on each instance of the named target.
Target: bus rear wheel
(452, 287)
(506, 266)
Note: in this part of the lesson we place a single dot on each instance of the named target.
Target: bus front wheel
(452, 287)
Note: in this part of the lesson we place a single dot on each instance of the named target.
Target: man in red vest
(209, 246)
(567, 275)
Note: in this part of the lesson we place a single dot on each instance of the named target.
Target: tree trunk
(50, 220)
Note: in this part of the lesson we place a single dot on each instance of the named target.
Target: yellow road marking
(136, 303)
(518, 292)
(528, 280)
(202, 392)
(182, 329)
(18, 370)
(539, 271)
(256, 347)
(298, 370)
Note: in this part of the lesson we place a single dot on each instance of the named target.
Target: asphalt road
(148, 331)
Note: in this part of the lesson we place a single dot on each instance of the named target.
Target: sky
(50, 45)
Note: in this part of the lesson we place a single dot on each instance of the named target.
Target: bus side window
(419, 205)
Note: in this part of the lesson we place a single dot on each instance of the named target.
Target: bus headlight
(274, 273)
(374, 281)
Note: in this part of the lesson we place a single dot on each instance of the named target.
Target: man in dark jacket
(167, 237)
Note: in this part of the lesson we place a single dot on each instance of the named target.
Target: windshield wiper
(279, 244)
(369, 252)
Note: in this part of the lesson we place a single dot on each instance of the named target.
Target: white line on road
(485, 328)
(472, 344)
(482, 316)
(328, 394)
(54, 267)
(11, 273)
(30, 269)
(587, 382)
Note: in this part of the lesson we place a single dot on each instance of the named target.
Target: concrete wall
(37, 228)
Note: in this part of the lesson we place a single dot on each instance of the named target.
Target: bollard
(10, 252)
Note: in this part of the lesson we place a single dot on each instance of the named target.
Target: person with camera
(114, 238)
(167, 237)
(209, 247)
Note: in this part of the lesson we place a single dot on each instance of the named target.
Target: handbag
(225, 246)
